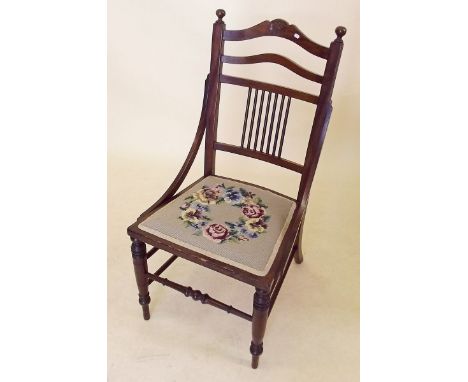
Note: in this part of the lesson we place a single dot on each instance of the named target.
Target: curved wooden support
(261, 308)
(188, 161)
(140, 265)
(274, 59)
(278, 28)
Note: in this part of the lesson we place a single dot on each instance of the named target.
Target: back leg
(298, 255)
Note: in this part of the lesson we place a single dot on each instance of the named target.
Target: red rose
(216, 232)
(253, 211)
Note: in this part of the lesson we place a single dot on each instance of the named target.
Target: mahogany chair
(238, 229)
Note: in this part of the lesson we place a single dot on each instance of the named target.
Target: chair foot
(255, 359)
(261, 308)
(140, 265)
(298, 257)
(144, 302)
(256, 351)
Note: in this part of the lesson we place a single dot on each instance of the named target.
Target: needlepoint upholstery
(230, 221)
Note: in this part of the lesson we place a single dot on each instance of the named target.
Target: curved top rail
(278, 28)
(275, 59)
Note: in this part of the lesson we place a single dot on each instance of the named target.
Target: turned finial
(220, 13)
(340, 32)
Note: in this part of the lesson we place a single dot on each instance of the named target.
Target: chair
(238, 229)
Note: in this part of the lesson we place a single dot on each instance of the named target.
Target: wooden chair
(263, 234)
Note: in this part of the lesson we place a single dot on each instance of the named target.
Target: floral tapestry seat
(230, 221)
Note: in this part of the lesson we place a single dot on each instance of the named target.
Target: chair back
(267, 105)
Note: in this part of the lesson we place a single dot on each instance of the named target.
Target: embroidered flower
(202, 207)
(208, 195)
(216, 232)
(232, 196)
(185, 206)
(191, 215)
(256, 225)
(253, 211)
(196, 207)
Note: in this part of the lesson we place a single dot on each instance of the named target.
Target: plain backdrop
(158, 58)
(413, 216)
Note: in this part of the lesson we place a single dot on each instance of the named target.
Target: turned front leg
(261, 308)
(140, 264)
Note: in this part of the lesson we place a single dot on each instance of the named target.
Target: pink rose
(216, 232)
(253, 211)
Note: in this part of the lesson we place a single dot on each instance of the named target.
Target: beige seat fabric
(228, 220)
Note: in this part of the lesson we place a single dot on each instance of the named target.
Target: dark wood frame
(268, 286)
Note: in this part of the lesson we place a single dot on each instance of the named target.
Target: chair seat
(231, 221)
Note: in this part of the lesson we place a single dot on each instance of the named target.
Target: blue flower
(232, 196)
(202, 207)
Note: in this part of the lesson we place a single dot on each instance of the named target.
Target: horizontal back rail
(278, 28)
(274, 59)
(307, 97)
(259, 155)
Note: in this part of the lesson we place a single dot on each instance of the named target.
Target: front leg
(261, 308)
(140, 264)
